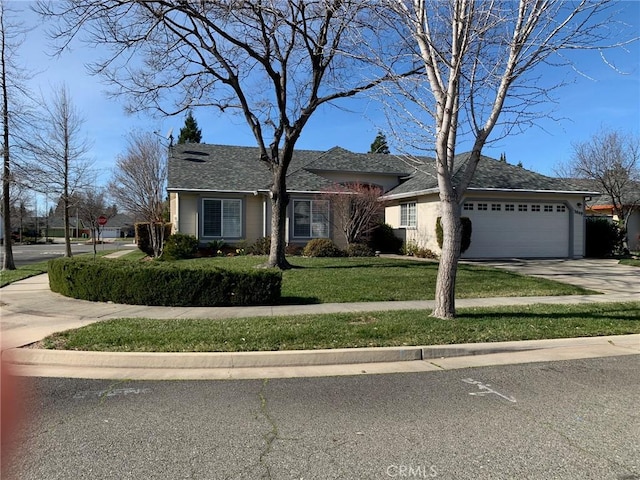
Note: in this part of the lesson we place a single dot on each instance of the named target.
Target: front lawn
(374, 279)
(346, 330)
(630, 261)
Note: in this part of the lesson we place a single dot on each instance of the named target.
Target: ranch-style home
(220, 192)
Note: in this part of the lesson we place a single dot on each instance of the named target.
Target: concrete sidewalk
(30, 312)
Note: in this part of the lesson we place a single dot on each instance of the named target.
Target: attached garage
(519, 228)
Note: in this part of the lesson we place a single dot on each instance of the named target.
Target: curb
(298, 358)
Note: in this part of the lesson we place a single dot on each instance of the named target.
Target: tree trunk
(7, 262)
(279, 203)
(67, 237)
(445, 301)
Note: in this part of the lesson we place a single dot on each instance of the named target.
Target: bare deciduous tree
(611, 160)
(59, 153)
(15, 115)
(480, 63)
(139, 181)
(92, 204)
(356, 209)
(274, 62)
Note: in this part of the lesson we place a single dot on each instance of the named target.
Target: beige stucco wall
(424, 233)
(187, 206)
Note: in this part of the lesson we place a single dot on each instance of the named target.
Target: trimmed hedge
(162, 283)
(602, 237)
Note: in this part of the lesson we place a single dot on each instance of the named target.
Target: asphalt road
(27, 254)
(559, 420)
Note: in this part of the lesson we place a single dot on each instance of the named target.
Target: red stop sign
(102, 220)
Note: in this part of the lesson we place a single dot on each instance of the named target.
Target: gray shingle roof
(232, 168)
(490, 174)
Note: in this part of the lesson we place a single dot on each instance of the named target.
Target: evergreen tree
(379, 145)
(190, 133)
(503, 157)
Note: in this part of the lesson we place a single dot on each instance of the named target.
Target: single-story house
(222, 192)
(118, 226)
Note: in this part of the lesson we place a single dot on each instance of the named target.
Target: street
(563, 420)
(27, 254)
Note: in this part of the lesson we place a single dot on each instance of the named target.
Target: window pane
(232, 221)
(320, 219)
(212, 218)
(301, 218)
(408, 215)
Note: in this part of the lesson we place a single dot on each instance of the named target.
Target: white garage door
(520, 229)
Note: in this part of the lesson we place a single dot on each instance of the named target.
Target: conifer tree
(379, 145)
(190, 133)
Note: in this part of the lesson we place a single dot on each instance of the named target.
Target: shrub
(384, 240)
(261, 246)
(359, 250)
(413, 249)
(162, 283)
(602, 237)
(293, 249)
(321, 247)
(180, 246)
(216, 247)
(466, 233)
(142, 236)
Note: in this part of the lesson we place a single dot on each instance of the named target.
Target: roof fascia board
(527, 190)
(209, 190)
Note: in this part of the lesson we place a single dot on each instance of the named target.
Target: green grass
(339, 280)
(26, 271)
(630, 261)
(347, 330)
(20, 273)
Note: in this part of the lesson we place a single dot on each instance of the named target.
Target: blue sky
(598, 97)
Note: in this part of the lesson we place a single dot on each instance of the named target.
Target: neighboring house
(222, 192)
(603, 206)
(119, 226)
(54, 227)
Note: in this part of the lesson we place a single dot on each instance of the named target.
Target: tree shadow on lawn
(628, 315)
(299, 301)
(406, 265)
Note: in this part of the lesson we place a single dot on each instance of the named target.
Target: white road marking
(111, 393)
(485, 389)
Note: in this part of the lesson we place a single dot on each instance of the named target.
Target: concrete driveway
(602, 275)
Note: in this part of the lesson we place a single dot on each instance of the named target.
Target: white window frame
(408, 215)
(483, 206)
(323, 226)
(224, 232)
(467, 206)
(510, 207)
